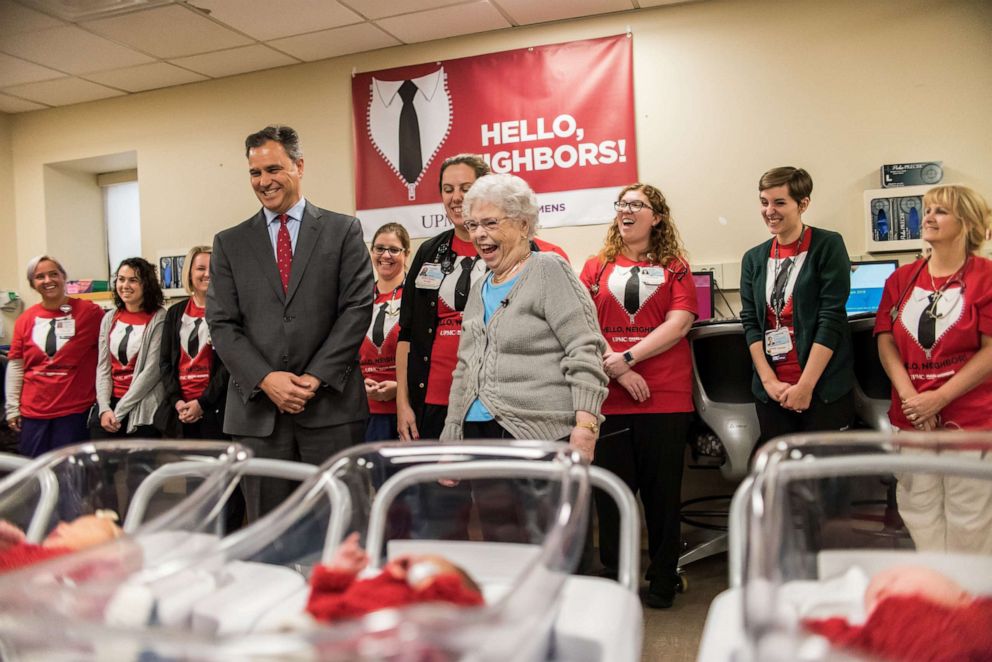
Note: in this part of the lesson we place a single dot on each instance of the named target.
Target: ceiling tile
(256, 18)
(14, 71)
(528, 11)
(331, 43)
(235, 61)
(658, 3)
(382, 8)
(170, 31)
(72, 50)
(445, 22)
(63, 91)
(146, 77)
(10, 104)
(15, 18)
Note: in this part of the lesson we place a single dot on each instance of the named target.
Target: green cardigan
(819, 314)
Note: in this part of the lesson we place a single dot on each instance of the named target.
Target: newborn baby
(337, 593)
(81, 533)
(916, 614)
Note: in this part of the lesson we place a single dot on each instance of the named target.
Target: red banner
(560, 116)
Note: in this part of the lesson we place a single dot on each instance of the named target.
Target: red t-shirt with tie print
(933, 348)
(785, 261)
(196, 354)
(63, 383)
(378, 352)
(125, 343)
(451, 297)
(632, 299)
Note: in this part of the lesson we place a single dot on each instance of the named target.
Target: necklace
(938, 293)
(497, 279)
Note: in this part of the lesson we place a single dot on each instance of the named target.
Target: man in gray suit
(290, 300)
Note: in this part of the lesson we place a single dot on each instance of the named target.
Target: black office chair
(872, 388)
(721, 392)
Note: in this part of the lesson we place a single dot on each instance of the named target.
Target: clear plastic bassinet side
(513, 515)
(827, 513)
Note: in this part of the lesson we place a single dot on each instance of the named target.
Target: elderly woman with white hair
(530, 356)
(49, 383)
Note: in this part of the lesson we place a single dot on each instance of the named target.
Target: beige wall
(74, 222)
(724, 89)
(8, 250)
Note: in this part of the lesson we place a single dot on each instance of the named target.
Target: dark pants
(211, 428)
(382, 427)
(40, 435)
(430, 421)
(142, 431)
(293, 442)
(776, 421)
(647, 452)
(439, 512)
(518, 510)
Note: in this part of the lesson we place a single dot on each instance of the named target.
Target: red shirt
(444, 353)
(336, 595)
(194, 371)
(934, 350)
(785, 262)
(379, 361)
(659, 290)
(65, 383)
(122, 372)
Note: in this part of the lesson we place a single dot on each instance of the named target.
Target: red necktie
(284, 252)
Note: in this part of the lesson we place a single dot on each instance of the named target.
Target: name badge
(652, 275)
(778, 342)
(430, 277)
(65, 328)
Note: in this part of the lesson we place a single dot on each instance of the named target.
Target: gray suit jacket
(316, 327)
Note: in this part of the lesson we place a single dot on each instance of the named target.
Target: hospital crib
(813, 523)
(245, 597)
(64, 484)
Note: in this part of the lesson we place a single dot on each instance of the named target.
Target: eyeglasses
(633, 205)
(392, 250)
(487, 224)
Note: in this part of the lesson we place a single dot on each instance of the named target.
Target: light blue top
(493, 297)
(295, 214)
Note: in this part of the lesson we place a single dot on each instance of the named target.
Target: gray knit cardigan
(537, 362)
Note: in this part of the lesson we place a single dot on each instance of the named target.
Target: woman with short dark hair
(794, 290)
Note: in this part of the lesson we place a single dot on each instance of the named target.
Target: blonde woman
(934, 330)
(646, 303)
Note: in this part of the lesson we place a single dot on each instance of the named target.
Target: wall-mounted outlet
(715, 269)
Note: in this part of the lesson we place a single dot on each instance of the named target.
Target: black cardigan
(212, 400)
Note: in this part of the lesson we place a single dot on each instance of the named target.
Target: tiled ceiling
(51, 56)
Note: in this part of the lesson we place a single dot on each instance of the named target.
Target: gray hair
(508, 192)
(280, 133)
(38, 259)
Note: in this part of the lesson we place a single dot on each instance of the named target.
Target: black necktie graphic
(193, 345)
(410, 157)
(778, 288)
(50, 345)
(632, 291)
(464, 283)
(927, 331)
(122, 348)
(379, 326)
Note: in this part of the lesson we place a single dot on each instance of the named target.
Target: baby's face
(419, 570)
(83, 532)
(915, 580)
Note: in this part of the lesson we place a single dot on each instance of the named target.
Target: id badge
(653, 275)
(65, 328)
(430, 277)
(778, 342)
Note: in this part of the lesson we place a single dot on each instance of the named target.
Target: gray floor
(674, 634)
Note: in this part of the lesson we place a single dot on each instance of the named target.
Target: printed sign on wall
(560, 116)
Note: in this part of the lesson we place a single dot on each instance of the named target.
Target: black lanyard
(778, 302)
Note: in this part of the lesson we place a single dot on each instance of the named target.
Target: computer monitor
(867, 282)
(704, 294)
